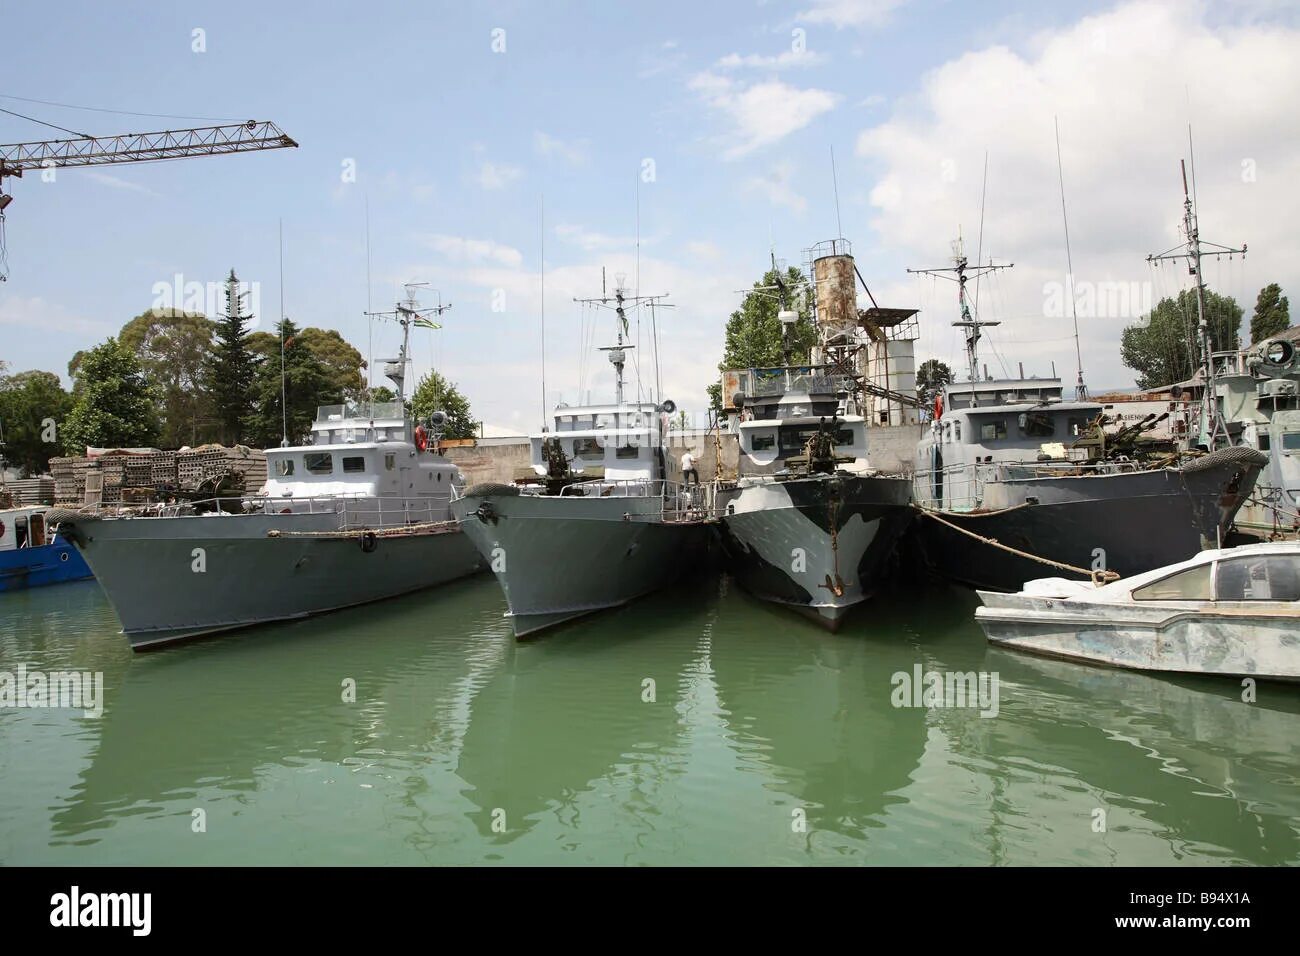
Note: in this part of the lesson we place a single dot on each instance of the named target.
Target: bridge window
(1274, 577)
(1037, 425)
(628, 451)
(588, 449)
(390, 461)
(759, 442)
(318, 463)
(1291, 441)
(1190, 585)
(354, 464)
(993, 431)
(283, 467)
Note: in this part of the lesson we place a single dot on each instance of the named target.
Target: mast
(962, 272)
(618, 351)
(1213, 429)
(406, 314)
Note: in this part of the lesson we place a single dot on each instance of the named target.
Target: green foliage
(754, 334)
(931, 376)
(342, 362)
(175, 349)
(1272, 314)
(307, 384)
(33, 406)
(435, 393)
(1165, 350)
(230, 369)
(340, 359)
(115, 404)
(380, 393)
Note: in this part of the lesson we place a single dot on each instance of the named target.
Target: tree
(436, 394)
(1165, 348)
(175, 349)
(33, 406)
(755, 337)
(342, 362)
(1272, 314)
(307, 384)
(114, 403)
(230, 369)
(380, 393)
(340, 359)
(931, 377)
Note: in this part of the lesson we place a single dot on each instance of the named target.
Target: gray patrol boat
(808, 523)
(359, 515)
(603, 519)
(1010, 481)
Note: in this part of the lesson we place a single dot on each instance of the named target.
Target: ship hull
(558, 558)
(171, 579)
(1126, 523)
(51, 563)
(818, 545)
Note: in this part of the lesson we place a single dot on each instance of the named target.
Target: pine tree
(1272, 314)
(231, 368)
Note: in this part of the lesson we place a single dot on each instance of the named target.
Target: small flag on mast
(426, 324)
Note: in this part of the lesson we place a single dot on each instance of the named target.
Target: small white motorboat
(1231, 612)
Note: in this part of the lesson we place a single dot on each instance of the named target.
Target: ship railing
(678, 501)
(963, 484)
(352, 511)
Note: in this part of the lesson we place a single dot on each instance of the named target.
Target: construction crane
(17, 158)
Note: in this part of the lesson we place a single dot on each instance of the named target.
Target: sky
(496, 149)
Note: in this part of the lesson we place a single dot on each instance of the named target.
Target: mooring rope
(1102, 576)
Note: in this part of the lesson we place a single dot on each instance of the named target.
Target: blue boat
(31, 556)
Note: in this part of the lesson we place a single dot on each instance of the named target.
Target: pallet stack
(30, 491)
(162, 468)
(128, 478)
(69, 480)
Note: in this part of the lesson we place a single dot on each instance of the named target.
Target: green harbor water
(694, 727)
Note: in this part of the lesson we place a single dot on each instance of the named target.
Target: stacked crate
(31, 491)
(189, 468)
(138, 472)
(69, 480)
(162, 468)
(113, 468)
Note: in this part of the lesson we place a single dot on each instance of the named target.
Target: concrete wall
(890, 449)
(499, 463)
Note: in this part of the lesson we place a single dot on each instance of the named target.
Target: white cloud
(704, 249)
(117, 183)
(1121, 83)
(850, 13)
(777, 188)
(35, 312)
(575, 153)
(496, 175)
(460, 249)
(782, 61)
(760, 114)
(593, 241)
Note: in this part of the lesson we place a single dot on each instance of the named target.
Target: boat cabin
(971, 444)
(23, 528)
(617, 442)
(362, 450)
